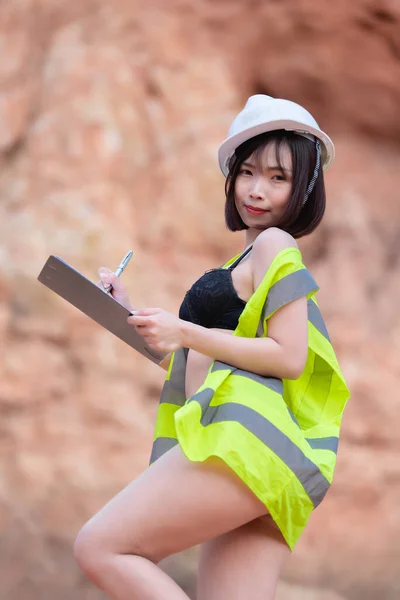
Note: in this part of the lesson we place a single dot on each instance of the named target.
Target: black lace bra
(212, 301)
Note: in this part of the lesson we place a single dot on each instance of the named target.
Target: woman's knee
(95, 550)
(89, 551)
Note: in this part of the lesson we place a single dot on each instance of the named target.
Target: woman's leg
(243, 563)
(173, 505)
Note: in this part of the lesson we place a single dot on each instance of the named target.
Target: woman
(249, 417)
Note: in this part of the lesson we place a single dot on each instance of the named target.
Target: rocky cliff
(110, 117)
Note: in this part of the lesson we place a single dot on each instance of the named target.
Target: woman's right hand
(119, 291)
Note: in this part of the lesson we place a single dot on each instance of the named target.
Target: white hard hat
(263, 113)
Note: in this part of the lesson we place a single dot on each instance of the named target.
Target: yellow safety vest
(280, 436)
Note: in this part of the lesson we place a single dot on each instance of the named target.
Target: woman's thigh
(243, 563)
(173, 505)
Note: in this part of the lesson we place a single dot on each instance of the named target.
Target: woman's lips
(254, 211)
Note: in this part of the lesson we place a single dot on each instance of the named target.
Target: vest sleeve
(320, 393)
(287, 279)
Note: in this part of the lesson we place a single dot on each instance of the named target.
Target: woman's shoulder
(267, 246)
(270, 243)
(276, 252)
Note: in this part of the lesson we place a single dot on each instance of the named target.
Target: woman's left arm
(283, 353)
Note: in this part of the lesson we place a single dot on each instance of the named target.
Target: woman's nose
(257, 190)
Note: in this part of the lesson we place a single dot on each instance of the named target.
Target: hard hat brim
(228, 146)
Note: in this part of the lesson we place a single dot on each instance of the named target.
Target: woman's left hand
(161, 330)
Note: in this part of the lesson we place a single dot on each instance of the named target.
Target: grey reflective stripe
(327, 443)
(289, 288)
(173, 391)
(272, 383)
(260, 328)
(308, 473)
(220, 366)
(172, 395)
(293, 417)
(160, 446)
(203, 398)
(315, 317)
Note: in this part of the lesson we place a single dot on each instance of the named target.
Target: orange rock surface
(110, 118)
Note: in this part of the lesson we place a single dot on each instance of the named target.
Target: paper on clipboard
(89, 298)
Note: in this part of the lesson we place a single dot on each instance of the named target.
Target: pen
(119, 270)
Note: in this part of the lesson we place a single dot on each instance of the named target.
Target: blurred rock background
(110, 117)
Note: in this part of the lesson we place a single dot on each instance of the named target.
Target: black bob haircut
(298, 220)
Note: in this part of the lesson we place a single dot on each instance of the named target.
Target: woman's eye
(278, 178)
(245, 172)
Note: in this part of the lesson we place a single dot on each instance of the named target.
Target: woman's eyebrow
(270, 167)
(277, 168)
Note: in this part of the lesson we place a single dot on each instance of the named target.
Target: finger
(138, 321)
(103, 285)
(110, 279)
(147, 312)
(141, 331)
(104, 273)
(104, 270)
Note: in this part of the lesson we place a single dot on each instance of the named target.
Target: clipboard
(90, 299)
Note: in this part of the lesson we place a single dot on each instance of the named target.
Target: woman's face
(262, 184)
